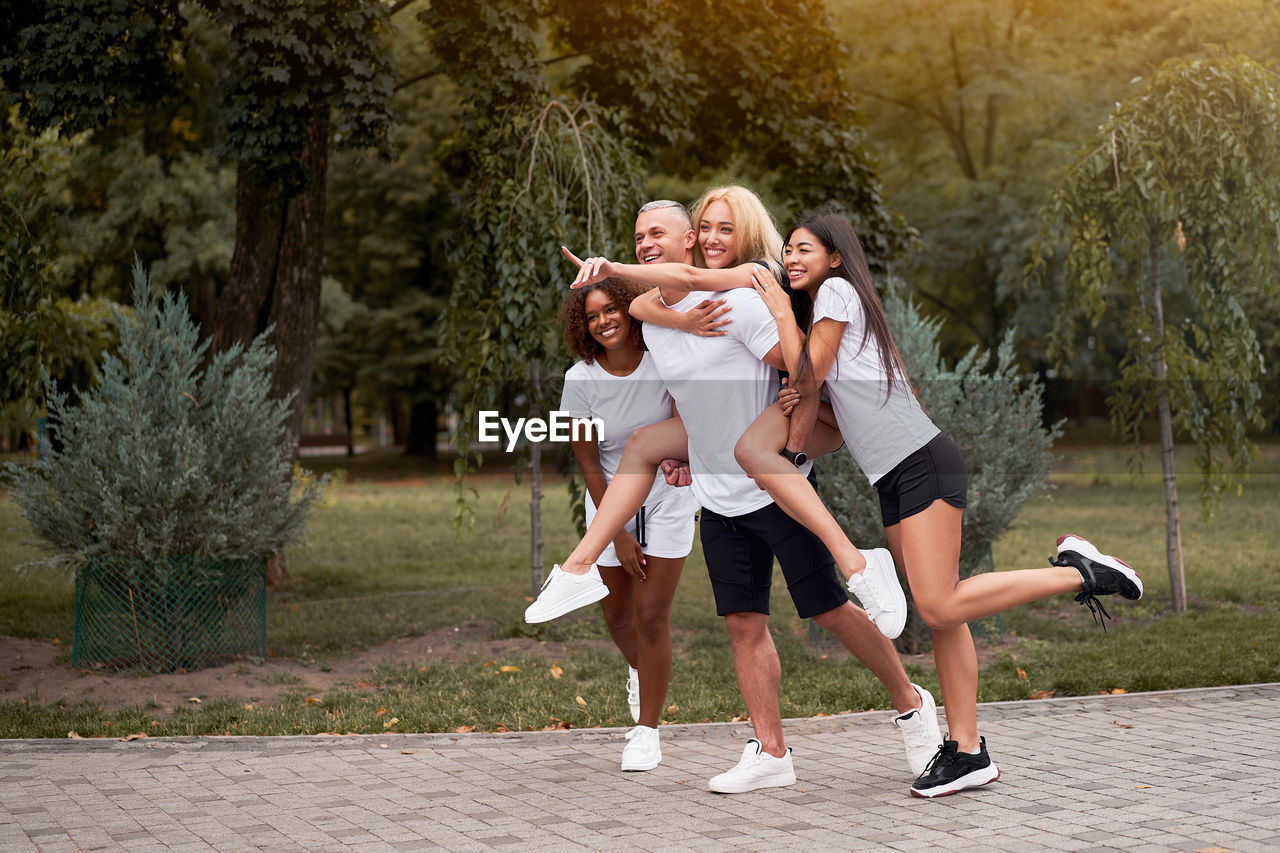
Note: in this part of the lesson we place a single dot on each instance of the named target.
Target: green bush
(995, 417)
(169, 454)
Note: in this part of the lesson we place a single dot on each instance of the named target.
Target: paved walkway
(1180, 770)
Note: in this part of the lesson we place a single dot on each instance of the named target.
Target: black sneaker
(952, 771)
(1100, 574)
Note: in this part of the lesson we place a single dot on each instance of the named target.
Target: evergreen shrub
(995, 417)
(175, 469)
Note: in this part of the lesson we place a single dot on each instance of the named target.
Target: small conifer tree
(995, 417)
(168, 454)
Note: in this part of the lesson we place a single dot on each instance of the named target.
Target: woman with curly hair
(616, 383)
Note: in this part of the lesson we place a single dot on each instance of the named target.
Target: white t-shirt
(623, 404)
(879, 434)
(720, 386)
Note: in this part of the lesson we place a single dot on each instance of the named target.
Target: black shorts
(934, 471)
(739, 551)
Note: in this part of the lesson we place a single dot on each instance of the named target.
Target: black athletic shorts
(739, 551)
(934, 471)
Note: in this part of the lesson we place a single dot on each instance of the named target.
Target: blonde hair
(758, 237)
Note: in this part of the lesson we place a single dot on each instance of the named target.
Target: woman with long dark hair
(917, 471)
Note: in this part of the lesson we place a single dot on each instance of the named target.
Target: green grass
(385, 563)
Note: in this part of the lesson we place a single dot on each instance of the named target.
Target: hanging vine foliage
(570, 182)
(1184, 184)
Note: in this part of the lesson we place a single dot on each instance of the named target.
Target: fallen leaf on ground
(1118, 691)
(1022, 673)
(673, 707)
(74, 736)
(380, 712)
(580, 701)
(134, 736)
(465, 729)
(1041, 694)
(508, 668)
(408, 752)
(1123, 725)
(391, 722)
(1142, 786)
(311, 700)
(556, 671)
(195, 699)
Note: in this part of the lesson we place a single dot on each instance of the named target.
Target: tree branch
(409, 81)
(564, 57)
(399, 5)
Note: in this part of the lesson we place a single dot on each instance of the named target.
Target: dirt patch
(42, 671)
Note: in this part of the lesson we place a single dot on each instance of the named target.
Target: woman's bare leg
(942, 599)
(758, 454)
(652, 620)
(646, 448)
(619, 611)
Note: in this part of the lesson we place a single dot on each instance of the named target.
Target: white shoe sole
(646, 764)
(773, 780)
(1086, 548)
(977, 778)
(567, 605)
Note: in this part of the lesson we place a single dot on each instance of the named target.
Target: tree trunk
(535, 492)
(421, 440)
(275, 271)
(275, 279)
(1173, 528)
(346, 419)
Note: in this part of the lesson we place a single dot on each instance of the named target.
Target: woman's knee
(653, 620)
(934, 612)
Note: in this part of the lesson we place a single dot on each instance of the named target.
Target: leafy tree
(1170, 220)
(973, 118)
(292, 76)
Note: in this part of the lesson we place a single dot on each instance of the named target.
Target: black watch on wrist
(796, 459)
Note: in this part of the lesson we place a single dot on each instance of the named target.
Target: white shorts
(663, 529)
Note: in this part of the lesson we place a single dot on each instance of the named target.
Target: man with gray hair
(720, 382)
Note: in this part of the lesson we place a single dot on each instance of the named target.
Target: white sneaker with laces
(756, 769)
(920, 732)
(563, 593)
(633, 693)
(643, 750)
(879, 592)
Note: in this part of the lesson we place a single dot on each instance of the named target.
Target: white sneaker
(643, 750)
(881, 595)
(756, 769)
(920, 732)
(633, 694)
(563, 593)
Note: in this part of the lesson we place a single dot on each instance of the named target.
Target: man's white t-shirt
(878, 433)
(623, 404)
(720, 386)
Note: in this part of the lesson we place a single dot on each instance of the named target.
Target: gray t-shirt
(878, 433)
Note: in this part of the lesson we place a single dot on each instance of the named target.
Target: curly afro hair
(573, 316)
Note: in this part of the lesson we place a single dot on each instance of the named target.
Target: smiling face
(807, 261)
(663, 236)
(607, 322)
(718, 236)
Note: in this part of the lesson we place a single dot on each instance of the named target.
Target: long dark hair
(836, 236)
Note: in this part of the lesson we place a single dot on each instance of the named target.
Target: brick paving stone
(1209, 758)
